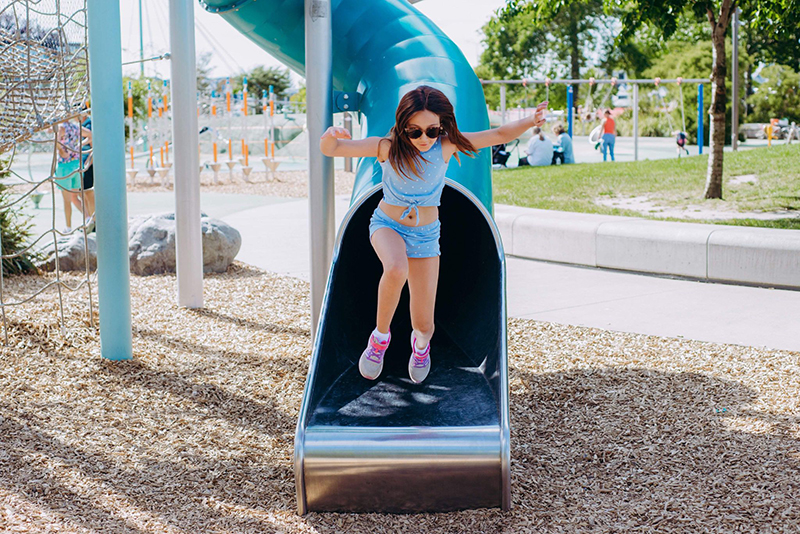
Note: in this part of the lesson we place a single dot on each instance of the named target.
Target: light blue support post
(108, 144)
(700, 117)
(569, 110)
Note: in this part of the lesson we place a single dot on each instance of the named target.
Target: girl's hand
(541, 111)
(336, 133)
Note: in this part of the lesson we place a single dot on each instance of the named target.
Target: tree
(519, 46)
(139, 92)
(766, 44)
(772, 41)
(204, 72)
(778, 96)
(259, 80)
(780, 16)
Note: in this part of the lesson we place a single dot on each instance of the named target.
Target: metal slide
(391, 445)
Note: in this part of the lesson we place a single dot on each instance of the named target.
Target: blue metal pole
(700, 117)
(569, 110)
(108, 143)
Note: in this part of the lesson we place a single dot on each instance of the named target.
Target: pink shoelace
(421, 360)
(376, 351)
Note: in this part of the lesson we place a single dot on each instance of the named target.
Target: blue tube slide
(391, 445)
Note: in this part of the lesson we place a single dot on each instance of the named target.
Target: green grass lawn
(669, 183)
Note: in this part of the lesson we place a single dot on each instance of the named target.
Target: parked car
(753, 130)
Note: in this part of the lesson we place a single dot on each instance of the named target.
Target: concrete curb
(760, 256)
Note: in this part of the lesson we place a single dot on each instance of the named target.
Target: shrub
(16, 232)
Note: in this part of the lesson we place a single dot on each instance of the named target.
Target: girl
(404, 229)
(66, 175)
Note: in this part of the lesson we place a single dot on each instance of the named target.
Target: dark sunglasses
(432, 132)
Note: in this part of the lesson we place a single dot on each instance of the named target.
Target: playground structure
(591, 82)
(229, 133)
(44, 85)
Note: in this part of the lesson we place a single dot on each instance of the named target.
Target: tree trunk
(718, 100)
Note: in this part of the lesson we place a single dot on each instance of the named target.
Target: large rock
(71, 253)
(151, 244)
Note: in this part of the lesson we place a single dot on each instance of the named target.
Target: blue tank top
(413, 192)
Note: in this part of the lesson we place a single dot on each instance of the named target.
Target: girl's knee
(424, 327)
(396, 271)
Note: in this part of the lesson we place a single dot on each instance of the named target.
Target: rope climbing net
(44, 89)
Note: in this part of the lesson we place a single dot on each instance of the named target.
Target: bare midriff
(427, 214)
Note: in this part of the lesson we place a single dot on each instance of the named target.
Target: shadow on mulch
(619, 449)
(197, 490)
(197, 436)
(214, 401)
(252, 325)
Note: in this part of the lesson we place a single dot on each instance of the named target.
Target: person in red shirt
(609, 134)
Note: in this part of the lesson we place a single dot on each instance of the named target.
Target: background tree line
(665, 38)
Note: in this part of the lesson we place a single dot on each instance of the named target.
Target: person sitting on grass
(563, 145)
(540, 149)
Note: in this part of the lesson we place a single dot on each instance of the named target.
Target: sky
(461, 20)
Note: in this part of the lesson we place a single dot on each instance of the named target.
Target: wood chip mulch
(611, 432)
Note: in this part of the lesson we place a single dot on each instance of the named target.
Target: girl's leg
(76, 200)
(391, 250)
(67, 197)
(611, 147)
(423, 279)
(88, 196)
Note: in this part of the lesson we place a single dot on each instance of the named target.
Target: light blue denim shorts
(421, 241)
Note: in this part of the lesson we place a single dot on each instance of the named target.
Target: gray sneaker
(420, 363)
(371, 362)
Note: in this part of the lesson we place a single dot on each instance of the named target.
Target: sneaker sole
(360, 370)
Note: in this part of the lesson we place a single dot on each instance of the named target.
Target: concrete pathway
(646, 304)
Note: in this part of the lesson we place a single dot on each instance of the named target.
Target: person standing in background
(609, 134)
(88, 169)
(67, 171)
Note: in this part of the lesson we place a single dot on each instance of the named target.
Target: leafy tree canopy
(778, 96)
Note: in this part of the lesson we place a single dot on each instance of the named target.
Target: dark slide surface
(463, 386)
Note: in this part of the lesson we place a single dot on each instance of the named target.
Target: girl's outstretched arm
(508, 132)
(336, 142)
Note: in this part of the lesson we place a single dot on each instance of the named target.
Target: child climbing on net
(404, 229)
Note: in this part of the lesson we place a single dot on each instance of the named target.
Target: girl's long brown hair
(403, 155)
